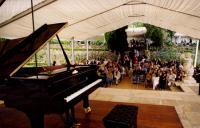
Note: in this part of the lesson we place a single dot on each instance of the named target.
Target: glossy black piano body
(41, 90)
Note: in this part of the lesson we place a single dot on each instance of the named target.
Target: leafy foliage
(155, 34)
(168, 43)
(55, 41)
(109, 37)
(97, 42)
(138, 24)
(170, 33)
(2, 39)
(159, 36)
(117, 40)
(166, 54)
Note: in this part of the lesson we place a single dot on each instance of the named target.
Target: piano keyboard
(74, 95)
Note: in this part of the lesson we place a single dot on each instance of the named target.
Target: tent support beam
(27, 12)
(47, 2)
(166, 9)
(129, 3)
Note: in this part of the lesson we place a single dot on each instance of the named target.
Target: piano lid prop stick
(64, 53)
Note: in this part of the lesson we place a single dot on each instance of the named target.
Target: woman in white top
(171, 78)
(123, 72)
(155, 81)
(117, 76)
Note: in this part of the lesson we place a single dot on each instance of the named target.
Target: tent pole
(33, 23)
(87, 47)
(196, 54)
(72, 43)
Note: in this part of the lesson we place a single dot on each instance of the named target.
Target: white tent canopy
(88, 18)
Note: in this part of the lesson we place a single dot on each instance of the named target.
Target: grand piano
(41, 90)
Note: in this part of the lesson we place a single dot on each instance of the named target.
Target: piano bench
(121, 116)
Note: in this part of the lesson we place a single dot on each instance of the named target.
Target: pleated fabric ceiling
(89, 18)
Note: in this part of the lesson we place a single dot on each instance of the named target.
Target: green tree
(166, 54)
(97, 42)
(155, 34)
(110, 40)
(2, 39)
(117, 40)
(138, 24)
(170, 34)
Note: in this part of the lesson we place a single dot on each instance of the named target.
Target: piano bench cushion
(121, 116)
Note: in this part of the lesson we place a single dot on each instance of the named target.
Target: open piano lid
(12, 59)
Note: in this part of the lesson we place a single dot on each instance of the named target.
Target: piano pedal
(76, 125)
(87, 110)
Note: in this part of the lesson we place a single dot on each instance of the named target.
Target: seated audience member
(109, 76)
(54, 63)
(102, 75)
(148, 80)
(171, 78)
(162, 80)
(126, 63)
(137, 74)
(179, 75)
(130, 73)
(117, 76)
(155, 80)
(123, 72)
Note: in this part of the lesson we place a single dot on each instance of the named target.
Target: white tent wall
(87, 18)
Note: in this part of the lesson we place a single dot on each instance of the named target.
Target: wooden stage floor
(149, 116)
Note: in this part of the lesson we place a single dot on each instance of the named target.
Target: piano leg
(86, 106)
(70, 119)
(36, 119)
(73, 115)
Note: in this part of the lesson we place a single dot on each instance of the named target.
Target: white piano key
(79, 92)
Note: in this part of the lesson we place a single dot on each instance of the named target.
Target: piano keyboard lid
(17, 55)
